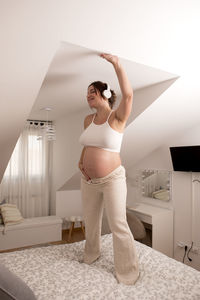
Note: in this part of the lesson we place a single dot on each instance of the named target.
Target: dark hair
(101, 86)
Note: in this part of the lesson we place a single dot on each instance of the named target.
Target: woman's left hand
(113, 59)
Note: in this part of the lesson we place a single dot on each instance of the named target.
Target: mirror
(156, 184)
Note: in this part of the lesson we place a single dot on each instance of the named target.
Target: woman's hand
(83, 171)
(124, 109)
(113, 59)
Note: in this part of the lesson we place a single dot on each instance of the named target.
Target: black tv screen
(186, 158)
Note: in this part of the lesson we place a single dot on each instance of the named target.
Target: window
(35, 157)
(27, 157)
(13, 165)
(26, 179)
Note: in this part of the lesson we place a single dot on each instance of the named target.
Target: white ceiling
(160, 34)
(73, 68)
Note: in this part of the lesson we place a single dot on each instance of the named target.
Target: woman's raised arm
(124, 109)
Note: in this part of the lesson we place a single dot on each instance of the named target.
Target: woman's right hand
(113, 59)
(83, 171)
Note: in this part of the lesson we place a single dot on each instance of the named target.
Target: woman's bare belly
(98, 162)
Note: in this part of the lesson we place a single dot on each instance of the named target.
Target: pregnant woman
(103, 181)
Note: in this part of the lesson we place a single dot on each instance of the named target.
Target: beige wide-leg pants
(110, 191)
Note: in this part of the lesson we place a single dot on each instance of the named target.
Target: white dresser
(161, 220)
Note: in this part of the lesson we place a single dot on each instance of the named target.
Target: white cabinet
(161, 220)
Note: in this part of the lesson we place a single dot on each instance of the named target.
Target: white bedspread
(55, 273)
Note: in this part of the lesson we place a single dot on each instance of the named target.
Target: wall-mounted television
(186, 158)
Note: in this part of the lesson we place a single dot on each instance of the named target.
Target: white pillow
(11, 214)
(1, 203)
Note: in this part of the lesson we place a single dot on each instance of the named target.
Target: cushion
(1, 219)
(12, 287)
(136, 226)
(3, 202)
(11, 214)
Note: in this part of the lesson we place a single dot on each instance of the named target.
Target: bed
(56, 272)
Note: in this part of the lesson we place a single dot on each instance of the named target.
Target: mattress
(57, 273)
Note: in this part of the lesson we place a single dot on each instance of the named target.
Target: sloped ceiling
(30, 32)
(160, 34)
(74, 67)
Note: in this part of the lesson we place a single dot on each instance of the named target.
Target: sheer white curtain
(26, 181)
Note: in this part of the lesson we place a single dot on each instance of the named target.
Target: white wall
(185, 193)
(66, 151)
(30, 36)
(68, 203)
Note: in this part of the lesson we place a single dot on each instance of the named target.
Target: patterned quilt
(56, 273)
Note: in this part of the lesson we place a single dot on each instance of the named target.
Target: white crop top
(102, 136)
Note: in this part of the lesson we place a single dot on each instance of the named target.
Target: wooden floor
(77, 236)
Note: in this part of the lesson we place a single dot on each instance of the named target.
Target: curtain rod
(39, 121)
